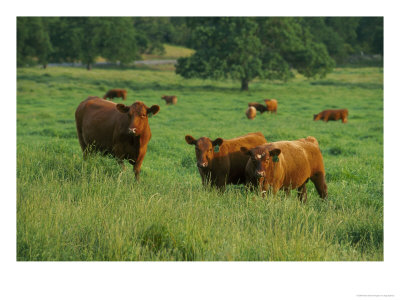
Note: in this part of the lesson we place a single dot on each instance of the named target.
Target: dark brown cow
(115, 93)
(272, 105)
(251, 112)
(170, 99)
(286, 165)
(116, 129)
(220, 161)
(332, 115)
(259, 107)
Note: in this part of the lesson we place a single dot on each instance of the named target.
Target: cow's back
(300, 160)
(97, 119)
(251, 112)
(231, 161)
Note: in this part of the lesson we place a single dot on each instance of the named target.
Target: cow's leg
(302, 192)
(82, 143)
(138, 163)
(287, 191)
(319, 181)
(219, 181)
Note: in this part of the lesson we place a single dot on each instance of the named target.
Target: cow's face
(205, 149)
(138, 114)
(317, 117)
(262, 159)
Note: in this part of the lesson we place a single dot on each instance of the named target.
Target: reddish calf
(251, 112)
(170, 99)
(272, 105)
(332, 115)
(115, 93)
(286, 165)
(116, 129)
(220, 161)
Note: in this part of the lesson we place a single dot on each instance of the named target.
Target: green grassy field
(70, 209)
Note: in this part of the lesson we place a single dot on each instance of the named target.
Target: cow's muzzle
(260, 174)
(202, 165)
(132, 131)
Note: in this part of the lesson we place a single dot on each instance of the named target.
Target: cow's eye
(210, 150)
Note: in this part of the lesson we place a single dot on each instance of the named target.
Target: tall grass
(70, 209)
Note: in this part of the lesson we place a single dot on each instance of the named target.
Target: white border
(213, 280)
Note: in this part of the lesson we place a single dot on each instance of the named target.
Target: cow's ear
(275, 152)
(190, 140)
(217, 142)
(245, 150)
(122, 108)
(153, 110)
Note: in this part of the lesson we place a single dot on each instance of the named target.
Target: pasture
(69, 209)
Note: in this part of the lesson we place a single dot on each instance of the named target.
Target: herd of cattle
(124, 132)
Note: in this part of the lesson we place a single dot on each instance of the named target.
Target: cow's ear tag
(275, 158)
(216, 148)
(149, 115)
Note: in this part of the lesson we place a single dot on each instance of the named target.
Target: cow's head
(262, 159)
(205, 149)
(316, 117)
(138, 114)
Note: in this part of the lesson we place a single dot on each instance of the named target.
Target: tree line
(241, 48)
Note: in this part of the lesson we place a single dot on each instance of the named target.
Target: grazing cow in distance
(170, 99)
(116, 129)
(115, 93)
(259, 107)
(251, 112)
(286, 165)
(332, 115)
(220, 161)
(272, 105)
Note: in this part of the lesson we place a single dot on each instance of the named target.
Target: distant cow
(259, 107)
(170, 99)
(286, 165)
(332, 115)
(220, 161)
(116, 129)
(251, 112)
(272, 105)
(115, 93)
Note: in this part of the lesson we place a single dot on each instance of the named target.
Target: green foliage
(33, 41)
(246, 48)
(118, 41)
(70, 209)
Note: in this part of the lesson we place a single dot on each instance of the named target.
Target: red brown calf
(272, 105)
(220, 161)
(116, 129)
(286, 165)
(170, 99)
(332, 115)
(251, 112)
(115, 93)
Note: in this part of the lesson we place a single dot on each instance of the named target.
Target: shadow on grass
(351, 85)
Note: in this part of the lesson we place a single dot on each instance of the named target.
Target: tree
(370, 35)
(118, 40)
(246, 48)
(33, 41)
